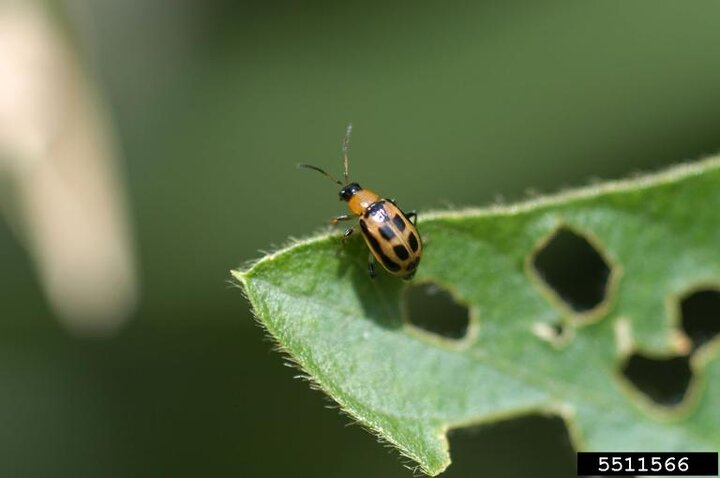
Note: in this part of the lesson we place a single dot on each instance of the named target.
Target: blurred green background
(214, 103)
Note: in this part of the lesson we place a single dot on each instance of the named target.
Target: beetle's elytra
(389, 233)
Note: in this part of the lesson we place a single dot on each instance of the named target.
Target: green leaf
(660, 235)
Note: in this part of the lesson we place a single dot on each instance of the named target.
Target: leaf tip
(239, 276)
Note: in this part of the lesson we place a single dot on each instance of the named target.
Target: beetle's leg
(410, 214)
(413, 215)
(348, 233)
(371, 265)
(344, 217)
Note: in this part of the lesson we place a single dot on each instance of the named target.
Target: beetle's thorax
(358, 199)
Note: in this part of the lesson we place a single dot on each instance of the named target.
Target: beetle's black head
(349, 191)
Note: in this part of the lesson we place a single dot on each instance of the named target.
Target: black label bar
(642, 463)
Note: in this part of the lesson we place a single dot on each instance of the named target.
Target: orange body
(389, 233)
(391, 237)
(361, 200)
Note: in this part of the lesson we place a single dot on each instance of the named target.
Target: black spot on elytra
(574, 269)
(386, 232)
(665, 381)
(373, 208)
(377, 249)
(434, 310)
(401, 252)
(399, 222)
(412, 240)
(701, 316)
(389, 263)
(374, 244)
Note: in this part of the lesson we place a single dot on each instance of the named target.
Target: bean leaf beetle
(389, 233)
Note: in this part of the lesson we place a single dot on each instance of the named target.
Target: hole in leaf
(701, 316)
(434, 310)
(574, 269)
(558, 328)
(557, 334)
(529, 446)
(665, 381)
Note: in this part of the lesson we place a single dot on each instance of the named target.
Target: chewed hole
(664, 381)
(557, 334)
(701, 316)
(558, 329)
(529, 446)
(574, 269)
(434, 310)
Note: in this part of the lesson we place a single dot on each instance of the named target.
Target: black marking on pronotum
(375, 245)
(413, 265)
(412, 240)
(399, 222)
(401, 252)
(386, 232)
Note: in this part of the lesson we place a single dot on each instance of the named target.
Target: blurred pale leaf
(349, 333)
(57, 153)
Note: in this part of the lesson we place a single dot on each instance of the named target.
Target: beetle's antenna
(309, 166)
(345, 149)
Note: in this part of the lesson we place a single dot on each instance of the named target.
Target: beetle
(389, 233)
